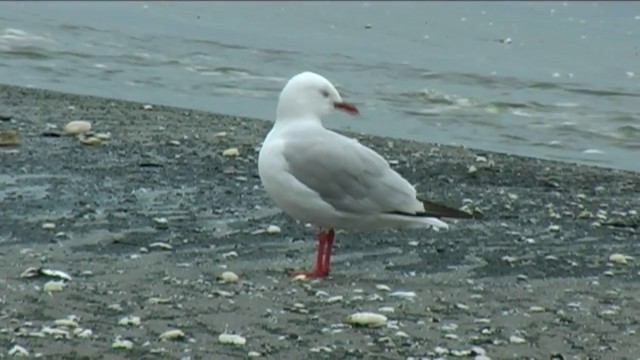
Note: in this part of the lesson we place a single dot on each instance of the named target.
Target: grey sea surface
(556, 80)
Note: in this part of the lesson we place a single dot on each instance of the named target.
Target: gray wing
(349, 176)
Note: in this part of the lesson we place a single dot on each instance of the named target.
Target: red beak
(346, 107)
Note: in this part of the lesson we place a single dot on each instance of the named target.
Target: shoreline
(534, 279)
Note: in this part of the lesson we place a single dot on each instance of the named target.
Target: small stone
(232, 339)
(619, 259)
(253, 354)
(102, 136)
(387, 309)
(160, 246)
(231, 152)
(536, 309)
(68, 323)
(77, 127)
(403, 294)
(383, 287)
(172, 335)
(9, 138)
(48, 226)
(174, 142)
(554, 228)
(334, 299)
(514, 339)
(53, 286)
(18, 351)
(130, 321)
(229, 277)
(472, 170)
(161, 223)
(90, 141)
(122, 344)
(147, 107)
(368, 319)
(273, 229)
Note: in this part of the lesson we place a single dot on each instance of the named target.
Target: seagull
(321, 177)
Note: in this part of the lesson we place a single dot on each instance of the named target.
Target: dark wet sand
(542, 244)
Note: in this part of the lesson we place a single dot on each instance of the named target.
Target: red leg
(330, 235)
(323, 256)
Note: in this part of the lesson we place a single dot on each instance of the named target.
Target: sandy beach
(145, 224)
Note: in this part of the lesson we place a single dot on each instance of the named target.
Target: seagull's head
(311, 94)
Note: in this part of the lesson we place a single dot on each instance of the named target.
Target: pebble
(160, 246)
(9, 138)
(253, 354)
(172, 335)
(147, 107)
(536, 309)
(514, 339)
(403, 294)
(130, 321)
(122, 344)
(387, 309)
(48, 226)
(90, 141)
(273, 229)
(18, 351)
(68, 323)
(229, 277)
(53, 286)
(161, 223)
(231, 152)
(554, 228)
(368, 319)
(619, 259)
(77, 127)
(174, 142)
(383, 287)
(232, 339)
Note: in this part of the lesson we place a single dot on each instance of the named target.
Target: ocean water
(555, 80)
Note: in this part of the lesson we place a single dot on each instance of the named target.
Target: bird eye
(324, 93)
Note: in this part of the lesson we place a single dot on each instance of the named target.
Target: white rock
(229, 277)
(273, 229)
(231, 152)
(147, 107)
(130, 321)
(403, 294)
(172, 335)
(77, 127)
(232, 339)
(387, 309)
(53, 286)
(48, 226)
(18, 351)
(122, 344)
(383, 287)
(619, 259)
(367, 319)
(514, 339)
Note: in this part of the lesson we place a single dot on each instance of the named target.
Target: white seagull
(324, 178)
